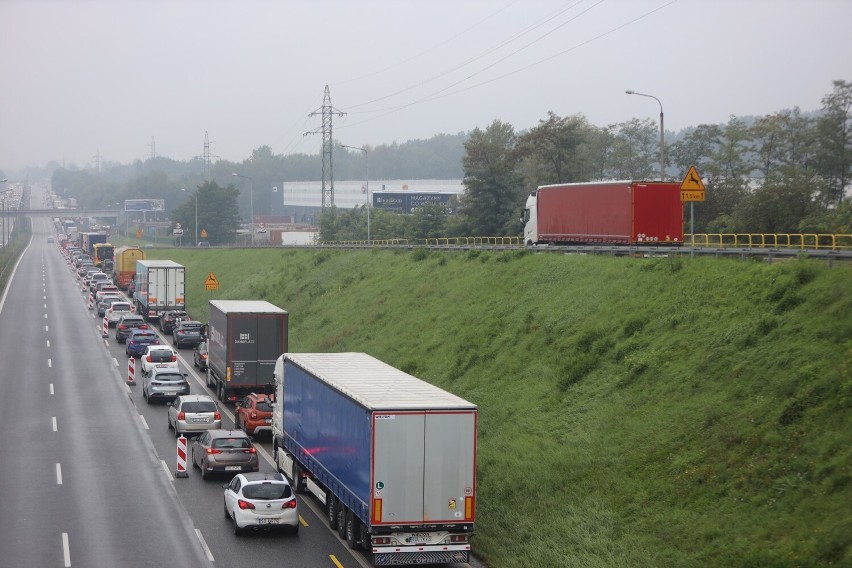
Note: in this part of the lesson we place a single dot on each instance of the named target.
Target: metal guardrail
(802, 241)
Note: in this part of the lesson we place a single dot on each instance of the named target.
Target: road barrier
(91, 300)
(181, 458)
(131, 371)
(105, 327)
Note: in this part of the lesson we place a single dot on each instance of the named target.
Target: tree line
(786, 172)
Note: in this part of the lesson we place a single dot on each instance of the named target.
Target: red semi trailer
(612, 212)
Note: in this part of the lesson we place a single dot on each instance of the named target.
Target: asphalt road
(92, 464)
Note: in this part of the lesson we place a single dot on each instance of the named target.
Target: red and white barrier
(181, 458)
(131, 371)
(91, 300)
(105, 328)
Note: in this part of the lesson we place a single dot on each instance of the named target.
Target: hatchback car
(170, 318)
(126, 323)
(105, 303)
(254, 414)
(164, 384)
(138, 341)
(117, 310)
(159, 357)
(95, 278)
(261, 501)
(187, 333)
(227, 451)
(194, 413)
(199, 356)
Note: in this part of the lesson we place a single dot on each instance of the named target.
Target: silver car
(164, 384)
(193, 413)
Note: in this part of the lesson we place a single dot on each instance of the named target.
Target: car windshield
(263, 406)
(270, 491)
(197, 406)
(237, 443)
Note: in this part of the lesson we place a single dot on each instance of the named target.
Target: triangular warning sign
(692, 181)
(212, 283)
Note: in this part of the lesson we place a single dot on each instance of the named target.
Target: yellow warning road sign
(692, 181)
(211, 283)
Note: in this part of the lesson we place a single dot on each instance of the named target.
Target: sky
(122, 80)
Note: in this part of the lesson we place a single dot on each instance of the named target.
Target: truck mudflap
(395, 556)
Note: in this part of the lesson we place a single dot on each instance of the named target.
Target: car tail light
(245, 504)
(174, 358)
(291, 504)
(250, 451)
(148, 358)
(381, 540)
(181, 415)
(212, 451)
(217, 416)
(143, 326)
(458, 538)
(122, 327)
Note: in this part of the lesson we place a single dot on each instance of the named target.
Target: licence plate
(233, 468)
(199, 420)
(267, 521)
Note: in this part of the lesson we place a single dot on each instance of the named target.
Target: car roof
(121, 303)
(227, 434)
(259, 476)
(196, 398)
(142, 332)
(190, 323)
(163, 347)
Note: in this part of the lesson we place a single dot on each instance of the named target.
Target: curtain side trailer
(391, 457)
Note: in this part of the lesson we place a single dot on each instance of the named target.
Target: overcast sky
(108, 77)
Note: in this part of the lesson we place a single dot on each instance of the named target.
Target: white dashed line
(166, 468)
(51, 389)
(66, 550)
(144, 422)
(49, 363)
(54, 424)
(58, 474)
(48, 343)
(204, 546)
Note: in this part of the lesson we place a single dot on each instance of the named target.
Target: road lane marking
(144, 422)
(51, 389)
(335, 561)
(115, 361)
(49, 362)
(46, 328)
(54, 424)
(204, 546)
(58, 474)
(45, 316)
(45, 306)
(303, 521)
(66, 550)
(168, 471)
(48, 344)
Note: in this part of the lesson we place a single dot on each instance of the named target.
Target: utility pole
(327, 111)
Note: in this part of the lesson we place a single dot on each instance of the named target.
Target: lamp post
(251, 203)
(366, 184)
(3, 235)
(194, 196)
(662, 139)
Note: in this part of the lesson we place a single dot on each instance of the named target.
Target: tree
(834, 153)
(551, 151)
(635, 150)
(494, 193)
(218, 213)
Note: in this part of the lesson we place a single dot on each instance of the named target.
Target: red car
(254, 414)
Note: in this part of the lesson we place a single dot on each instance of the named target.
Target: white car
(193, 414)
(116, 310)
(261, 501)
(158, 357)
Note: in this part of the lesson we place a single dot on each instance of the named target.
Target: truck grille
(401, 558)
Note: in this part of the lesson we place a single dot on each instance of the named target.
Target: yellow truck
(125, 265)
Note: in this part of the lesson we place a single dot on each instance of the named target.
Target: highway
(92, 463)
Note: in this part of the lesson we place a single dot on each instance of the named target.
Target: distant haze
(124, 79)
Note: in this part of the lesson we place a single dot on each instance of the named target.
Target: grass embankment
(633, 412)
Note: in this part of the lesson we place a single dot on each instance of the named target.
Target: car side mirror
(185, 374)
(226, 485)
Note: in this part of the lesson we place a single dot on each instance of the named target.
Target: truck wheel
(342, 511)
(297, 478)
(363, 536)
(351, 529)
(331, 505)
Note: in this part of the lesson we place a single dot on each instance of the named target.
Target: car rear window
(171, 378)
(237, 443)
(270, 491)
(263, 406)
(191, 326)
(161, 356)
(199, 406)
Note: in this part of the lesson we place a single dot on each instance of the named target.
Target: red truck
(611, 212)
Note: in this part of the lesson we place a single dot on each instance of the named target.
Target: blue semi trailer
(391, 457)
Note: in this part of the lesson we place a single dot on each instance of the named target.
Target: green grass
(633, 412)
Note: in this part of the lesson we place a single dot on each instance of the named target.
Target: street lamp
(251, 203)
(366, 184)
(194, 196)
(662, 139)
